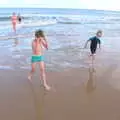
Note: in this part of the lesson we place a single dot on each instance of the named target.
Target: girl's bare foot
(48, 88)
(30, 78)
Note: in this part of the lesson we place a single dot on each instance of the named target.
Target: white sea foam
(6, 67)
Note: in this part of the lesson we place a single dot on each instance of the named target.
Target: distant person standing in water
(94, 41)
(19, 18)
(14, 21)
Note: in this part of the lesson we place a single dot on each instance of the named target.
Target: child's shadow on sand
(91, 83)
(38, 99)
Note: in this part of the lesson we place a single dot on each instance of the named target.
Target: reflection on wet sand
(16, 42)
(38, 99)
(91, 83)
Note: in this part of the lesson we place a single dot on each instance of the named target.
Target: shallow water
(66, 35)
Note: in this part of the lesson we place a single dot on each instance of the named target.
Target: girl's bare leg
(43, 76)
(32, 71)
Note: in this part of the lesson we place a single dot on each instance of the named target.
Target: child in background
(14, 21)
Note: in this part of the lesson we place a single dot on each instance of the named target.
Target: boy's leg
(43, 75)
(93, 51)
(93, 58)
(32, 71)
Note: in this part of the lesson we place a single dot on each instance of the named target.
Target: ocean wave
(27, 24)
(6, 68)
(4, 18)
(43, 20)
(15, 36)
(68, 22)
(8, 18)
(115, 19)
(38, 23)
(100, 22)
(48, 19)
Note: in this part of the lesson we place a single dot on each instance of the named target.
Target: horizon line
(58, 8)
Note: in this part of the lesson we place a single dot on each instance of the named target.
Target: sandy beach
(78, 94)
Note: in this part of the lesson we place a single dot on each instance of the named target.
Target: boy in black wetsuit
(94, 42)
(19, 18)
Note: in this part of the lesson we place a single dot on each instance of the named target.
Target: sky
(79, 4)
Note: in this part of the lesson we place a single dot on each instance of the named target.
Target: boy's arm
(99, 44)
(86, 43)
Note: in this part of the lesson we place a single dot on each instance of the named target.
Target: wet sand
(80, 94)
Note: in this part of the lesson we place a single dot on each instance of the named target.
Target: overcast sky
(82, 4)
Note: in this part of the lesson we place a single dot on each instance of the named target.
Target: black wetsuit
(93, 46)
(19, 19)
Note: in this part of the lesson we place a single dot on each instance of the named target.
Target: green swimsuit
(37, 58)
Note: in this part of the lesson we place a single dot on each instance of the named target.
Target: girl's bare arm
(44, 43)
(33, 46)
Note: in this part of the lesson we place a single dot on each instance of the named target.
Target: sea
(66, 31)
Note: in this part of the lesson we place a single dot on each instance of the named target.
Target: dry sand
(80, 94)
